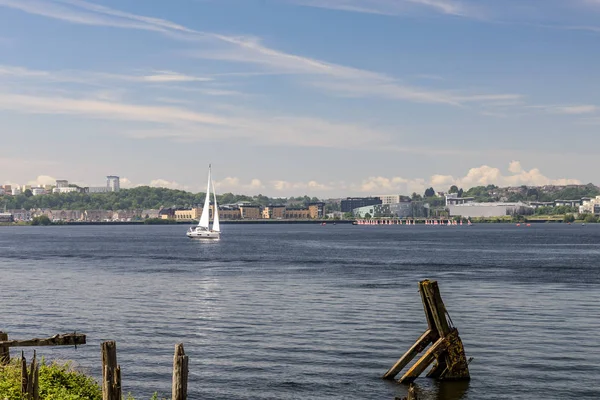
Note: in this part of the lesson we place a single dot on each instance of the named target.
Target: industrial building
(349, 204)
(477, 210)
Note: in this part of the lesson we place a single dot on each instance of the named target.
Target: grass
(57, 382)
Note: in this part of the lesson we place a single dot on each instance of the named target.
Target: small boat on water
(203, 230)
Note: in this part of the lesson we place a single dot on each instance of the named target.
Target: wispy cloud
(578, 109)
(334, 78)
(388, 7)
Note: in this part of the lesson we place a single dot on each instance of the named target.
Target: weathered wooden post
(447, 350)
(180, 374)
(4, 352)
(111, 372)
(30, 381)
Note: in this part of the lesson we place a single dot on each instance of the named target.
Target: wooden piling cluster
(446, 353)
(111, 370)
(30, 380)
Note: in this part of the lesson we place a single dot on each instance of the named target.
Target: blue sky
(286, 97)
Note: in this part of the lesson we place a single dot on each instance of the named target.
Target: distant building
(297, 213)
(316, 210)
(67, 189)
(188, 215)
(590, 206)
(474, 210)
(21, 215)
(7, 189)
(38, 191)
(62, 183)
(250, 211)
(568, 203)
(150, 213)
(273, 212)
(454, 199)
(230, 212)
(113, 183)
(351, 203)
(390, 198)
(1, 191)
(6, 217)
(96, 189)
(16, 191)
(403, 209)
(538, 204)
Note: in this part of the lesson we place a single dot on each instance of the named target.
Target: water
(309, 311)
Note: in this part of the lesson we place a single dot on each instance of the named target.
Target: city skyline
(482, 176)
(290, 97)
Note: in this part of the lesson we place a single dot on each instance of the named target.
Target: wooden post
(30, 380)
(24, 377)
(447, 350)
(111, 372)
(412, 393)
(4, 352)
(180, 374)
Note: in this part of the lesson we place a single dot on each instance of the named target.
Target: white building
(389, 198)
(62, 183)
(590, 206)
(1, 191)
(37, 191)
(63, 189)
(16, 191)
(97, 189)
(475, 210)
(453, 199)
(113, 183)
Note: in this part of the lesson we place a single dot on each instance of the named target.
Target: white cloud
(387, 7)
(577, 109)
(42, 180)
(515, 167)
(299, 187)
(163, 183)
(233, 184)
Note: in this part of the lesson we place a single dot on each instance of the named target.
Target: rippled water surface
(309, 311)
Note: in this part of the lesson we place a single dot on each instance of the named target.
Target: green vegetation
(57, 382)
(143, 197)
(41, 220)
(159, 221)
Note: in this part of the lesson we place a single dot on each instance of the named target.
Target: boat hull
(210, 235)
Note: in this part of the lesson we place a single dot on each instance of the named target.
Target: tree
(367, 216)
(453, 189)
(28, 193)
(460, 192)
(569, 218)
(590, 218)
(429, 192)
(41, 220)
(416, 196)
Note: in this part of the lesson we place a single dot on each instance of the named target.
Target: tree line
(143, 197)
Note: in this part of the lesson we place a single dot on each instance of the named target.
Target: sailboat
(203, 230)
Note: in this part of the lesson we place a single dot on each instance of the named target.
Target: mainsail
(204, 218)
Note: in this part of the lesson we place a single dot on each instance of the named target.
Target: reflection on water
(319, 312)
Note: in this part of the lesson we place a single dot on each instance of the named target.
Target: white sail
(204, 218)
(216, 226)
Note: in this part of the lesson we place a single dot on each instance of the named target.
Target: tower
(112, 183)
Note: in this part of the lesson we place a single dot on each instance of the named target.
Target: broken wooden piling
(180, 374)
(30, 380)
(111, 372)
(4, 352)
(447, 351)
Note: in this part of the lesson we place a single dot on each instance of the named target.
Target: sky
(328, 98)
